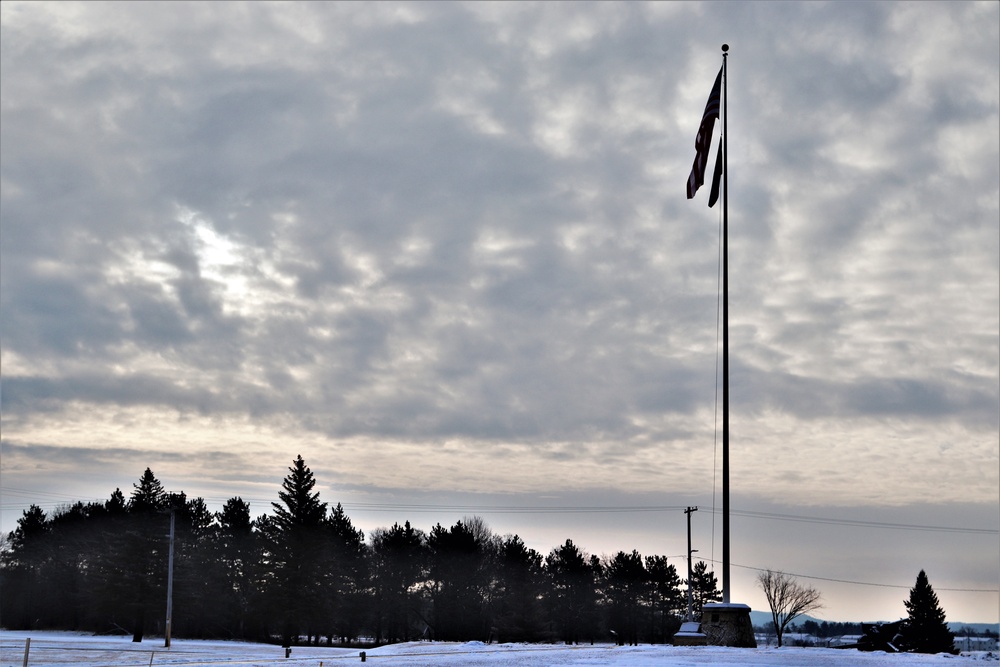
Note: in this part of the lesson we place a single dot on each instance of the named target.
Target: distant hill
(763, 618)
(758, 617)
(978, 627)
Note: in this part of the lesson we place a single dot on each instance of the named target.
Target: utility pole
(170, 581)
(689, 511)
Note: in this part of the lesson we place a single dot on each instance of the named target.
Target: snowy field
(62, 648)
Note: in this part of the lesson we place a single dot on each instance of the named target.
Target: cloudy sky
(443, 252)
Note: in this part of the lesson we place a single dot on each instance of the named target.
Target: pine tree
(116, 505)
(31, 527)
(297, 542)
(573, 597)
(299, 506)
(518, 614)
(131, 570)
(148, 496)
(704, 587)
(666, 602)
(926, 631)
(238, 551)
(345, 565)
(23, 569)
(626, 588)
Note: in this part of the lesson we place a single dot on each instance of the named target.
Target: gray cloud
(390, 230)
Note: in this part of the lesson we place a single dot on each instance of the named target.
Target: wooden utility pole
(170, 581)
(689, 511)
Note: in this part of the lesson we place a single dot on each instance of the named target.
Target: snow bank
(51, 649)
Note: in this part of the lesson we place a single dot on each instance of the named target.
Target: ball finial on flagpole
(725, 47)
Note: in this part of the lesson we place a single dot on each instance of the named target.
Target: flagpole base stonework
(728, 625)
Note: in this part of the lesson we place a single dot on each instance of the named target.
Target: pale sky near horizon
(443, 252)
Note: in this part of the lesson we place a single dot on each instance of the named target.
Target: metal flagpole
(725, 623)
(725, 329)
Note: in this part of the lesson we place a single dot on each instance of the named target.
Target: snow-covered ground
(62, 648)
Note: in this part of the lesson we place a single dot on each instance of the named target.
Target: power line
(515, 509)
(865, 524)
(867, 583)
(541, 509)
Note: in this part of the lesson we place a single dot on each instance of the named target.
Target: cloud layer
(425, 242)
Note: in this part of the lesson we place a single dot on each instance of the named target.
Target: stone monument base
(728, 624)
(690, 634)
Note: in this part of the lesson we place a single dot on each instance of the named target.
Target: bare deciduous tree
(787, 599)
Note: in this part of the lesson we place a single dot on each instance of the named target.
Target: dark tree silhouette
(665, 599)
(116, 505)
(238, 552)
(135, 569)
(572, 594)
(348, 574)
(199, 580)
(298, 592)
(704, 587)
(398, 566)
(519, 577)
(626, 588)
(24, 564)
(926, 630)
(148, 496)
(304, 572)
(459, 575)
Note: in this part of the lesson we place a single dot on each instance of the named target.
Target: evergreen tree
(926, 631)
(198, 572)
(666, 602)
(73, 545)
(299, 506)
(626, 589)
(347, 573)
(458, 570)
(148, 496)
(237, 549)
(299, 594)
(398, 565)
(31, 528)
(133, 569)
(116, 505)
(573, 597)
(23, 569)
(517, 611)
(704, 587)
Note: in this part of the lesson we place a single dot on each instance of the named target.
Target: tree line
(305, 574)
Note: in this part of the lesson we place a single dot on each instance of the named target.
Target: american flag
(703, 141)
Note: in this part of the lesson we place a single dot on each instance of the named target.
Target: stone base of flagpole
(728, 625)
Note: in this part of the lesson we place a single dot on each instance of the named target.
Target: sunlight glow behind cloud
(444, 248)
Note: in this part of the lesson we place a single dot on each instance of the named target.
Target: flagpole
(722, 623)
(725, 328)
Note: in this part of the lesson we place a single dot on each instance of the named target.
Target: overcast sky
(443, 251)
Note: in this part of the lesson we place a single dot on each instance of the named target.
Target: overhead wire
(601, 509)
(863, 583)
(550, 509)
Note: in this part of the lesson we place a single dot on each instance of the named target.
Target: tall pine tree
(148, 496)
(926, 631)
(300, 506)
(296, 544)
